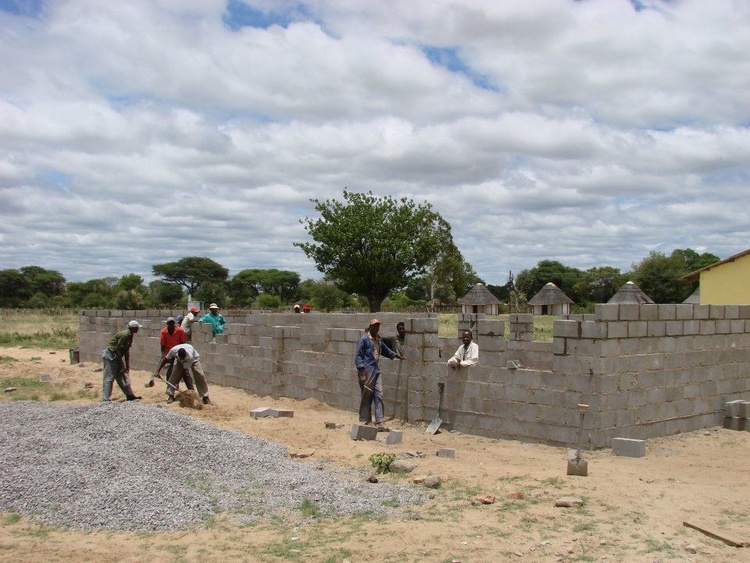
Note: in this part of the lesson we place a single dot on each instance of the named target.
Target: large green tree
(15, 288)
(598, 285)
(373, 245)
(566, 278)
(192, 272)
(247, 285)
(659, 275)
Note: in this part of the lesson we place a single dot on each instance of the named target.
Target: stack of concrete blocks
(644, 370)
(737, 415)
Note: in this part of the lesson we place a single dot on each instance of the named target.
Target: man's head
(401, 329)
(374, 326)
(466, 337)
(213, 308)
(171, 324)
(134, 326)
(194, 310)
(182, 353)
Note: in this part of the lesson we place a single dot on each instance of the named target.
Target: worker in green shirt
(116, 359)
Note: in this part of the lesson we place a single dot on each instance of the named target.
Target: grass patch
(12, 518)
(32, 389)
(7, 360)
(309, 508)
(40, 329)
(448, 326)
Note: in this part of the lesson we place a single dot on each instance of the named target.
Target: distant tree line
(376, 253)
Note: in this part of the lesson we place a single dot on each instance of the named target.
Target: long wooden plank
(717, 536)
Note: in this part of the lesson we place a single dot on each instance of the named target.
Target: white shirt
(467, 357)
(192, 354)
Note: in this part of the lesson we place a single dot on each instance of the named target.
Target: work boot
(206, 400)
(382, 427)
(170, 400)
(134, 398)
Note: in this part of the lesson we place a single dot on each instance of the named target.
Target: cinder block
(733, 423)
(394, 437)
(281, 413)
(363, 432)
(628, 447)
(260, 412)
(446, 452)
(745, 409)
(733, 408)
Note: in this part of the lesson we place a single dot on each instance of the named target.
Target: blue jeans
(371, 388)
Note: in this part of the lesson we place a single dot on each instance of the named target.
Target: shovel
(576, 464)
(437, 421)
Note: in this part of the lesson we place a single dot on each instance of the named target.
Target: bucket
(75, 355)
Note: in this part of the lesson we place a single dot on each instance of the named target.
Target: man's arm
(387, 352)
(359, 354)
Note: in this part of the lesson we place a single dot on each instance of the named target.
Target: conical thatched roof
(479, 295)
(550, 294)
(630, 293)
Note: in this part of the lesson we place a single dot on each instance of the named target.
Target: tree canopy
(373, 245)
(191, 272)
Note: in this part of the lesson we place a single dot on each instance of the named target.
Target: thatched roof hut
(630, 293)
(550, 300)
(479, 299)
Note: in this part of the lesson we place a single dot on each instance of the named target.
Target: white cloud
(137, 133)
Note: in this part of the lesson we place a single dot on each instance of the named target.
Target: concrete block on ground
(732, 408)
(733, 422)
(260, 412)
(394, 437)
(446, 452)
(364, 432)
(281, 413)
(629, 447)
(745, 409)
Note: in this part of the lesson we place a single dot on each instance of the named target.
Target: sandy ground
(633, 508)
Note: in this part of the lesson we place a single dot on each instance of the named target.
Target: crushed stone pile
(138, 467)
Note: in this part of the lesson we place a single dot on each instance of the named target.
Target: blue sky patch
(239, 15)
(30, 8)
(450, 59)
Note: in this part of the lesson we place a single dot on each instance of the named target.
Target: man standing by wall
(366, 357)
(116, 363)
(169, 337)
(187, 323)
(467, 354)
(215, 318)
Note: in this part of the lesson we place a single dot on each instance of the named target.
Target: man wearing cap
(215, 318)
(169, 337)
(366, 357)
(116, 360)
(187, 323)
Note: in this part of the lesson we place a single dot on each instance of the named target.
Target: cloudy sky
(589, 132)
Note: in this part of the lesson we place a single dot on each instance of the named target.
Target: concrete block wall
(644, 370)
(654, 370)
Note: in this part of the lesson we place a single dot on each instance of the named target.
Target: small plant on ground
(309, 508)
(382, 462)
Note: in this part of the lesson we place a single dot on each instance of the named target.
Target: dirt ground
(633, 508)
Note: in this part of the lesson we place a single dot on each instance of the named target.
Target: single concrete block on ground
(733, 423)
(732, 408)
(282, 413)
(629, 447)
(394, 437)
(364, 432)
(260, 412)
(446, 452)
(745, 409)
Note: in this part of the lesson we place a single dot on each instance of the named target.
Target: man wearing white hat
(215, 318)
(369, 349)
(116, 360)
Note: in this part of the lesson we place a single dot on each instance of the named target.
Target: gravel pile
(138, 467)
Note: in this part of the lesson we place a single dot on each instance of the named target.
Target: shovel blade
(434, 425)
